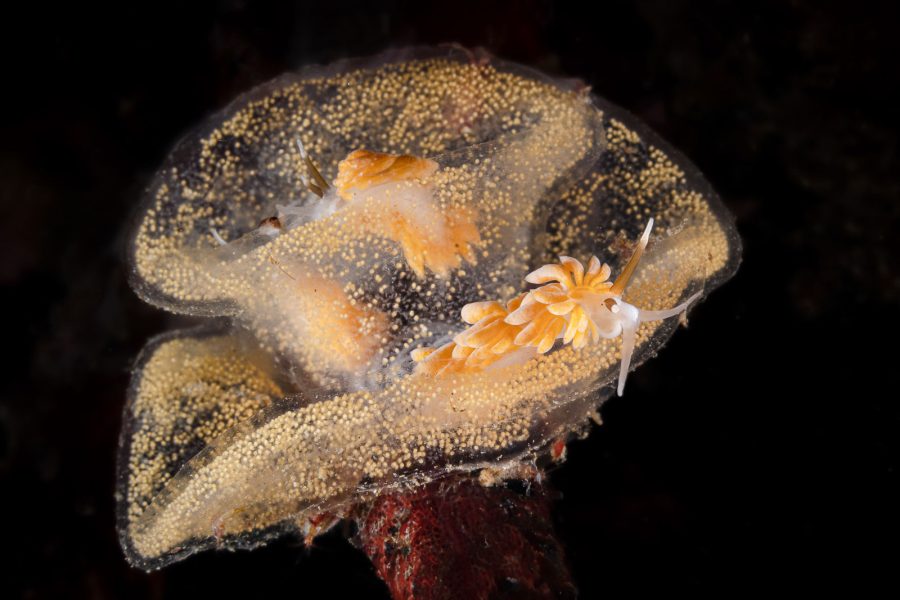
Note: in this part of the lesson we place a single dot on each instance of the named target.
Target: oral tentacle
(628, 342)
(659, 315)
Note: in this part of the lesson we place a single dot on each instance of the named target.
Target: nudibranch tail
(572, 304)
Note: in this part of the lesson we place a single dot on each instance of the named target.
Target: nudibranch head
(340, 221)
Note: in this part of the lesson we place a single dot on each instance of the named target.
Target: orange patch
(363, 169)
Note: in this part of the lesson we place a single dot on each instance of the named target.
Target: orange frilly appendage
(450, 235)
(441, 248)
(567, 286)
(363, 169)
(488, 339)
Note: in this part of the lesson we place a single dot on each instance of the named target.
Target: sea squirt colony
(411, 263)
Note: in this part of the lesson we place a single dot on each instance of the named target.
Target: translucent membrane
(231, 438)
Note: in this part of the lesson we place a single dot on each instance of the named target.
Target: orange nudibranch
(429, 235)
(572, 304)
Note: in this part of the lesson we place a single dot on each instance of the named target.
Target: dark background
(758, 452)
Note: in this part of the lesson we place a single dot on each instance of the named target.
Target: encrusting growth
(572, 304)
(379, 181)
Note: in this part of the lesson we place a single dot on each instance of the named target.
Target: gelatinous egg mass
(428, 261)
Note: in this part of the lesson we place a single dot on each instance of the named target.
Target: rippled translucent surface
(305, 398)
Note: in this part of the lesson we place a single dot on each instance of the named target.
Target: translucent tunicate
(339, 220)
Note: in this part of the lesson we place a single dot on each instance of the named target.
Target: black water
(758, 452)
